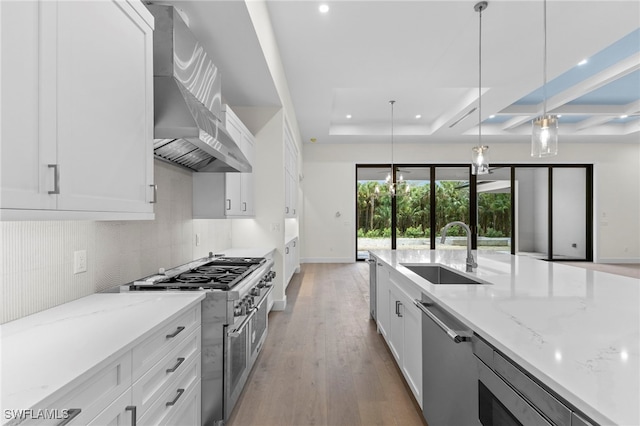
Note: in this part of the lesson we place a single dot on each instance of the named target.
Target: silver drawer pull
(56, 180)
(155, 194)
(73, 413)
(175, 367)
(134, 417)
(454, 335)
(172, 403)
(228, 204)
(175, 333)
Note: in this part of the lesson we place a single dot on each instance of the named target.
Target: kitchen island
(574, 330)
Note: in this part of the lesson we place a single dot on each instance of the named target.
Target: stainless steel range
(234, 322)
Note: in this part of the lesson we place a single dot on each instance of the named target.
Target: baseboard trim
(279, 305)
(327, 260)
(618, 260)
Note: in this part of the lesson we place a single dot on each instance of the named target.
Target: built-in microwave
(507, 396)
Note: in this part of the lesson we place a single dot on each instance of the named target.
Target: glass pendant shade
(544, 136)
(479, 160)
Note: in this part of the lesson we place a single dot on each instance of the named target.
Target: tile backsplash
(37, 256)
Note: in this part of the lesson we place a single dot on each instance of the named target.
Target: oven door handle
(238, 331)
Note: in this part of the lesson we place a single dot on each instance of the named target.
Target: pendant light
(395, 183)
(544, 135)
(479, 157)
(390, 179)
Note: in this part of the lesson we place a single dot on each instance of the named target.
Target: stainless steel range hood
(188, 129)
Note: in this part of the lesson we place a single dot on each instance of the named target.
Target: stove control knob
(249, 302)
(255, 291)
(237, 311)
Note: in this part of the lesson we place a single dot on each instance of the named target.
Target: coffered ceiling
(343, 67)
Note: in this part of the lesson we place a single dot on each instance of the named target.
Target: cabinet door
(412, 350)
(396, 325)
(233, 194)
(382, 299)
(26, 148)
(248, 180)
(104, 107)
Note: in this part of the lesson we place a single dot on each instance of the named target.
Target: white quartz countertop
(246, 252)
(575, 330)
(44, 352)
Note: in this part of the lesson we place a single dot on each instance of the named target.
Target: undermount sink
(437, 274)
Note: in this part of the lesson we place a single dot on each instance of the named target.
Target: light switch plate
(79, 261)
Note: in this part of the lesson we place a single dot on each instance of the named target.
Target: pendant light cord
(544, 60)
(480, 80)
(392, 173)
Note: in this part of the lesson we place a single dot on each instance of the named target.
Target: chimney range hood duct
(188, 129)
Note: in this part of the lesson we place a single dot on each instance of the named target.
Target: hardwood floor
(323, 362)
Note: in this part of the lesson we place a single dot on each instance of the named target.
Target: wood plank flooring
(323, 362)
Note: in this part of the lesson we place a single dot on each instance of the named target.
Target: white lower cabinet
(157, 382)
(291, 259)
(400, 322)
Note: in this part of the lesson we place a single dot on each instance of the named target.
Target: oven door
(259, 327)
(500, 404)
(237, 363)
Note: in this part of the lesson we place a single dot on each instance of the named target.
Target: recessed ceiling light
(624, 116)
(324, 8)
(559, 115)
(348, 115)
(582, 62)
(492, 116)
(418, 116)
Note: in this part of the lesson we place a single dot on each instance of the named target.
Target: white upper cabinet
(222, 195)
(290, 174)
(77, 110)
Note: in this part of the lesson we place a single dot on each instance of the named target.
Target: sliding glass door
(542, 211)
(373, 210)
(413, 208)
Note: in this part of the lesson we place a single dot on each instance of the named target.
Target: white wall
(541, 211)
(37, 256)
(329, 186)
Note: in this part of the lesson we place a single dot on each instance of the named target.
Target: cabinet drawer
(152, 349)
(189, 413)
(172, 400)
(160, 376)
(94, 393)
(120, 413)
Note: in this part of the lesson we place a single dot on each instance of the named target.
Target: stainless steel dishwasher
(449, 368)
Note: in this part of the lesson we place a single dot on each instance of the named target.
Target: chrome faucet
(471, 263)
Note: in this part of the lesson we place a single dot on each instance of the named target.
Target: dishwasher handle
(456, 336)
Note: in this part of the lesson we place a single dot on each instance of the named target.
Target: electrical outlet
(79, 261)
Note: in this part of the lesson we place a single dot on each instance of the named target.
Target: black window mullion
(513, 210)
(432, 207)
(550, 217)
(473, 208)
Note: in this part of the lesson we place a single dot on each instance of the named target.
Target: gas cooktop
(221, 273)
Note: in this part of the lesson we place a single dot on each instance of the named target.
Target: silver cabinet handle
(286, 250)
(134, 416)
(56, 179)
(228, 204)
(398, 305)
(175, 367)
(454, 335)
(294, 211)
(73, 413)
(379, 264)
(155, 194)
(294, 241)
(244, 206)
(175, 333)
(286, 209)
(171, 403)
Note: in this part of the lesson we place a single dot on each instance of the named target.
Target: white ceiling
(424, 55)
